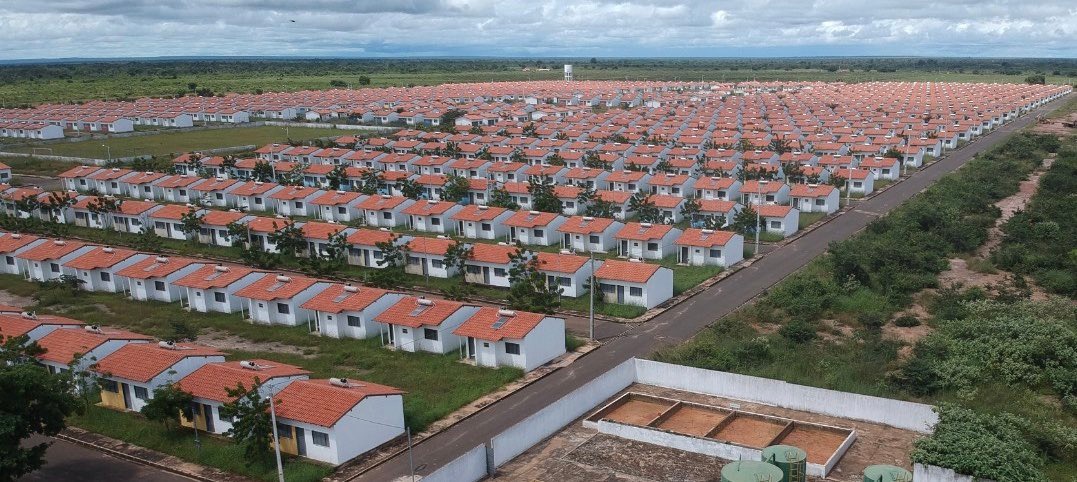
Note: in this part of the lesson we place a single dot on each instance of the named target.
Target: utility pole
(276, 438)
(758, 203)
(591, 301)
(108, 150)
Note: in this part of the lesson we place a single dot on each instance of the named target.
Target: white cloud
(112, 28)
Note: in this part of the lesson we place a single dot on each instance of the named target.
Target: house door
(620, 294)
(470, 348)
(568, 242)
(624, 247)
(207, 415)
(126, 389)
(486, 275)
(392, 336)
(300, 441)
(426, 270)
(366, 257)
(684, 254)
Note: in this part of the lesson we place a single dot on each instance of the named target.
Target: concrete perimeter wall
(931, 473)
(466, 468)
(895, 413)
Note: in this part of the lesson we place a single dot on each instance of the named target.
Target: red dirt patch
(691, 420)
(750, 431)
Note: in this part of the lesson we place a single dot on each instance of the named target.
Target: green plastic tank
(751, 471)
(886, 473)
(792, 461)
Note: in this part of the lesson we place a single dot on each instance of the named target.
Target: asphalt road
(680, 322)
(74, 463)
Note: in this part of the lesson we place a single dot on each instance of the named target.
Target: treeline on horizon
(175, 68)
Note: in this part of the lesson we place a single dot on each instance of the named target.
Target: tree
(528, 290)
(167, 404)
(447, 121)
(641, 204)
(293, 176)
(457, 256)
(543, 197)
(332, 257)
(252, 426)
(555, 159)
(370, 182)
(690, 208)
(392, 263)
(744, 222)
(781, 146)
(337, 177)
(500, 198)
(148, 240)
(363, 80)
(289, 238)
(182, 331)
(410, 189)
(262, 172)
(56, 204)
(1036, 79)
(32, 402)
(456, 188)
(594, 161)
(191, 224)
(104, 206)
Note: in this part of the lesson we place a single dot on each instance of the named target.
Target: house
(722, 188)
(489, 264)
(426, 257)
(669, 207)
(96, 269)
(671, 184)
(420, 324)
(78, 178)
(534, 227)
(348, 311)
(336, 420)
(619, 201)
(815, 198)
(32, 325)
(213, 287)
(295, 200)
(167, 220)
(646, 240)
(339, 206)
(364, 250)
(706, 247)
(254, 196)
(209, 384)
(129, 215)
(278, 299)
(319, 235)
(79, 349)
(153, 277)
(882, 168)
(259, 230)
(634, 282)
(496, 338)
(432, 216)
(107, 181)
(565, 271)
(479, 221)
(779, 219)
(177, 189)
(629, 181)
(589, 234)
(716, 211)
(215, 192)
(45, 261)
(384, 211)
(141, 185)
(857, 181)
(129, 376)
(214, 228)
(762, 192)
(13, 244)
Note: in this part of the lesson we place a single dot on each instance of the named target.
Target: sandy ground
(578, 454)
(227, 341)
(10, 299)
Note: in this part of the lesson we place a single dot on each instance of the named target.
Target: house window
(437, 263)
(283, 308)
(776, 225)
(538, 233)
(593, 239)
(430, 334)
(413, 260)
(886, 172)
(354, 321)
(298, 205)
(563, 281)
(820, 202)
(284, 431)
(342, 210)
(182, 192)
(472, 269)
(219, 196)
(486, 227)
(106, 277)
(218, 297)
(499, 272)
(224, 418)
(110, 386)
(159, 285)
(652, 246)
(635, 291)
(857, 184)
(435, 221)
(769, 198)
(387, 215)
(55, 268)
(320, 439)
(159, 225)
(258, 201)
(142, 393)
(512, 348)
(10, 260)
(716, 253)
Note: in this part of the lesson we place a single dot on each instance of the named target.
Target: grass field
(36, 166)
(172, 143)
(122, 85)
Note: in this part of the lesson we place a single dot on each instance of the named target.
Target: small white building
(815, 198)
(79, 349)
(589, 234)
(534, 227)
(11, 246)
(45, 261)
(705, 247)
(432, 216)
(478, 221)
(778, 219)
(209, 384)
(33, 326)
(634, 283)
(213, 287)
(646, 240)
(278, 299)
(97, 268)
(348, 311)
(153, 278)
(420, 324)
(129, 375)
(496, 338)
(384, 211)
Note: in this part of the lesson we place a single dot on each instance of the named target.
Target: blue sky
(628, 28)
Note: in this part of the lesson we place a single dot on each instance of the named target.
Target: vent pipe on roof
(93, 329)
(340, 382)
(249, 365)
(162, 259)
(168, 345)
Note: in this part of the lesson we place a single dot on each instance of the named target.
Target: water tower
(568, 72)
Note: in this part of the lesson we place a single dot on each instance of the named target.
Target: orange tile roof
(51, 249)
(320, 230)
(78, 171)
(704, 238)
(254, 188)
(714, 183)
(370, 237)
(773, 210)
(100, 257)
(429, 208)
(665, 200)
(221, 218)
(211, 381)
(333, 198)
(811, 190)
(491, 253)
(643, 232)
(377, 203)
(716, 205)
(62, 345)
(630, 271)
(174, 212)
(426, 245)
(141, 362)
(530, 219)
(561, 263)
(290, 193)
(13, 241)
(155, 267)
(318, 402)
(214, 185)
(178, 181)
(475, 212)
(16, 324)
(415, 312)
(515, 324)
(262, 224)
(214, 276)
(585, 225)
(616, 197)
(276, 287)
(338, 298)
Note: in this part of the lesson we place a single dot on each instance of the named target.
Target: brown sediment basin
(693, 420)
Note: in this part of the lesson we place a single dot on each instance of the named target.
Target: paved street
(73, 463)
(682, 321)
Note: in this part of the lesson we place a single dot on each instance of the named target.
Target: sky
(35, 29)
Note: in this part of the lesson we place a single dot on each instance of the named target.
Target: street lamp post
(108, 151)
(276, 438)
(591, 302)
(758, 203)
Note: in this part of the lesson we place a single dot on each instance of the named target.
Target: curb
(131, 458)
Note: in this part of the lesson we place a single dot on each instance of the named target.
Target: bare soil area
(750, 431)
(10, 299)
(228, 341)
(820, 444)
(693, 420)
(638, 412)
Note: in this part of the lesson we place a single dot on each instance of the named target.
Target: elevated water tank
(751, 471)
(792, 461)
(886, 473)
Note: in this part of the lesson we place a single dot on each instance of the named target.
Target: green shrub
(980, 445)
(798, 331)
(907, 321)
